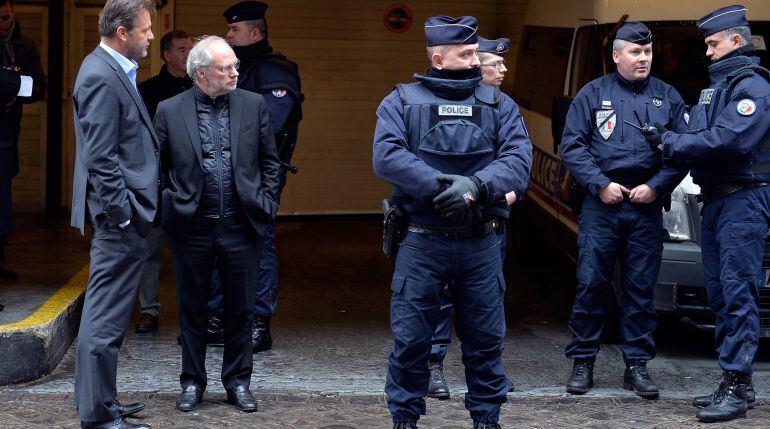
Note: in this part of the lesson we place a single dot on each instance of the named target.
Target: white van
(565, 45)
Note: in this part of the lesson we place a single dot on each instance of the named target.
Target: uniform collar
(635, 86)
(450, 89)
(728, 64)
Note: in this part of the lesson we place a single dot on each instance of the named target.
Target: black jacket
(22, 53)
(254, 159)
(162, 87)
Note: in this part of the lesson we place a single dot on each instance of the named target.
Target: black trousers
(232, 245)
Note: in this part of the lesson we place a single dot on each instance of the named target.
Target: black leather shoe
(437, 387)
(242, 398)
(215, 332)
(479, 425)
(730, 402)
(129, 409)
(637, 379)
(706, 400)
(405, 425)
(189, 399)
(147, 324)
(118, 423)
(582, 378)
(260, 335)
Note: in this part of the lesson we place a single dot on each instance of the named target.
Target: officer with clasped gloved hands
(728, 147)
(451, 149)
(621, 217)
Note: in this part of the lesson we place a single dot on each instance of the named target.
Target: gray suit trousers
(117, 261)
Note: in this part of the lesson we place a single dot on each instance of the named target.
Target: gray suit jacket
(117, 162)
(254, 157)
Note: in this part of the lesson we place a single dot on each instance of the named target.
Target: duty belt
(464, 231)
(726, 189)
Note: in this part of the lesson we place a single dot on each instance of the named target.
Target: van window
(541, 67)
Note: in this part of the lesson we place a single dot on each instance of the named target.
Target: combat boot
(479, 425)
(582, 378)
(437, 387)
(730, 402)
(260, 334)
(637, 379)
(706, 400)
(405, 425)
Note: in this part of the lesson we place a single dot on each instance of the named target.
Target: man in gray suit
(219, 154)
(115, 190)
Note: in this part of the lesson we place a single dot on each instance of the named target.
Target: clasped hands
(615, 192)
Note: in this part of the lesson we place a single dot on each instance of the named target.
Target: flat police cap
(245, 11)
(445, 30)
(497, 46)
(635, 32)
(722, 19)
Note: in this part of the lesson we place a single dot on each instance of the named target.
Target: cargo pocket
(397, 304)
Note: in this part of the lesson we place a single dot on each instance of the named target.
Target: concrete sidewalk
(332, 339)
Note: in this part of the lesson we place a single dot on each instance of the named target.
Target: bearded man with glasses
(218, 153)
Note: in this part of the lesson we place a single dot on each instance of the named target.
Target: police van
(565, 45)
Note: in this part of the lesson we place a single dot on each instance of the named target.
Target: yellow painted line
(53, 307)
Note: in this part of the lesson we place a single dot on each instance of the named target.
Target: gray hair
(743, 31)
(200, 54)
(122, 13)
(618, 45)
(261, 24)
(440, 49)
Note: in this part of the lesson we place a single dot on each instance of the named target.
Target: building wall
(348, 62)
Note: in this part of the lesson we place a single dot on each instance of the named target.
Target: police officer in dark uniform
(491, 53)
(270, 73)
(728, 147)
(621, 219)
(452, 149)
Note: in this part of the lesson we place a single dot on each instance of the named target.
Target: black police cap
(496, 46)
(245, 11)
(445, 30)
(635, 32)
(722, 19)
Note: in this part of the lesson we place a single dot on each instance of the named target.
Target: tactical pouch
(393, 227)
(577, 193)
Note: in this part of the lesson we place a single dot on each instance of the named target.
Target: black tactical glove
(463, 193)
(653, 134)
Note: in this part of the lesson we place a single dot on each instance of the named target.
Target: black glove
(462, 194)
(653, 134)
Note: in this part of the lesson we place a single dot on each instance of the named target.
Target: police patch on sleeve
(746, 107)
(279, 93)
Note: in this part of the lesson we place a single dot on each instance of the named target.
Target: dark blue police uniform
(598, 148)
(276, 78)
(444, 125)
(442, 337)
(728, 146)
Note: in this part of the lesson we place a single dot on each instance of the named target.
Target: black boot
(260, 334)
(637, 379)
(215, 332)
(437, 387)
(582, 378)
(706, 400)
(405, 425)
(730, 402)
(479, 425)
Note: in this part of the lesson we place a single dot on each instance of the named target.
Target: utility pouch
(393, 227)
(577, 193)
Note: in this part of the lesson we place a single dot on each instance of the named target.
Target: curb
(34, 346)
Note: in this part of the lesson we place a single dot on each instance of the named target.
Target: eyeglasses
(229, 68)
(498, 65)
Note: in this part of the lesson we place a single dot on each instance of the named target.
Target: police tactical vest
(452, 136)
(754, 167)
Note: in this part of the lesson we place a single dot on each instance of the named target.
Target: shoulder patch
(746, 107)
(279, 93)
